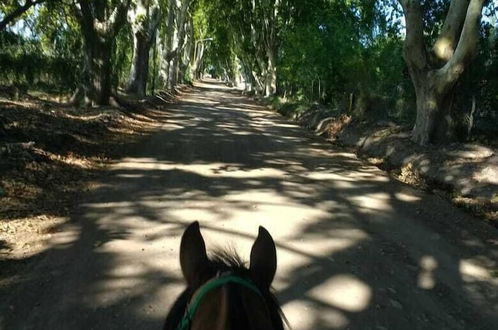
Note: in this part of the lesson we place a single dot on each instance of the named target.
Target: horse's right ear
(193, 257)
(263, 259)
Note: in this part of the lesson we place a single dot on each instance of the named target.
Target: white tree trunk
(144, 20)
(434, 74)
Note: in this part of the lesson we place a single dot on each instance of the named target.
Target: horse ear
(263, 259)
(193, 257)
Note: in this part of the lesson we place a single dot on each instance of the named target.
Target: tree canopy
(420, 62)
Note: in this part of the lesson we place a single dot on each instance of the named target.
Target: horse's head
(223, 294)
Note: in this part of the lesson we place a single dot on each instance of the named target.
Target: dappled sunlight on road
(426, 278)
(65, 238)
(351, 248)
(373, 203)
(208, 170)
(355, 249)
(471, 272)
(339, 294)
(349, 293)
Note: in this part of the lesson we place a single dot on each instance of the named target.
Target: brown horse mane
(227, 258)
(224, 260)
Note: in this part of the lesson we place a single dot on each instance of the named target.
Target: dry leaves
(49, 152)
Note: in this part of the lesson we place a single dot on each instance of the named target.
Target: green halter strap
(203, 290)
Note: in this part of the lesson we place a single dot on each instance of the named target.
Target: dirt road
(356, 250)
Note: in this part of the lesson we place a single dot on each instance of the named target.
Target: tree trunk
(434, 73)
(257, 84)
(271, 76)
(434, 123)
(144, 20)
(271, 47)
(187, 53)
(197, 60)
(139, 73)
(172, 70)
(174, 42)
(97, 85)
(179, 42)
(167, 51)
(99, 25)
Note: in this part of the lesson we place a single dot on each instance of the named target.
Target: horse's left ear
(263, 259)
(193, 257)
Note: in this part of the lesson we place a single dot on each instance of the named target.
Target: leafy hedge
(24, 63)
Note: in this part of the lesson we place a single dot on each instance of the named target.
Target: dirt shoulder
(466, 174)
(50, 153)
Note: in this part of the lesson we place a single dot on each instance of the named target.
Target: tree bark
(99, 26)
(434, 80)
(174, 42)
(271, 76)
(167, 51)
(446, 42)
(179, 42)
(434, 123)
(139, 72)
(98, 66)
(197, 59)
(270, 27)
(144, 27)
(188, 49)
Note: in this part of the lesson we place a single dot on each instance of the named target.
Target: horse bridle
(216, 282)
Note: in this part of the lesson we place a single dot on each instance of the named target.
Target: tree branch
(467, 44)
(445, 44)
(85, 17)
(154, 24)
(117, 18)
(14, 15)
(415, 53)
